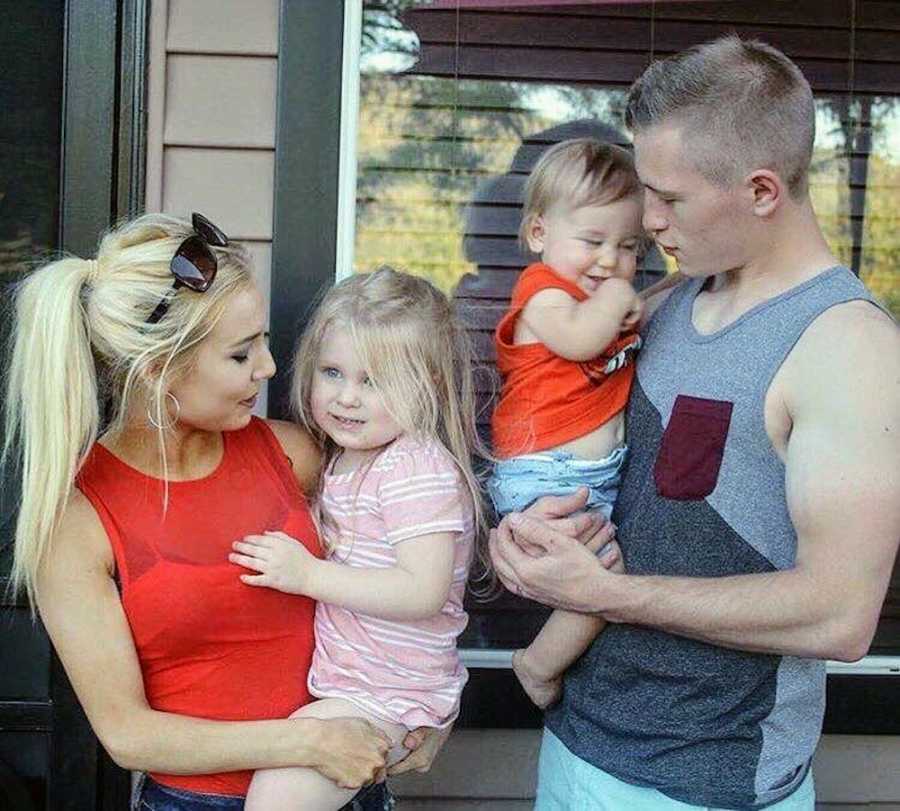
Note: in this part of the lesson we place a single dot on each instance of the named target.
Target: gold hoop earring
(155, 424)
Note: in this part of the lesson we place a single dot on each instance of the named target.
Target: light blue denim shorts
(521, 480)
(566, 782)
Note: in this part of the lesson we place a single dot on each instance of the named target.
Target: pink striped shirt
(407, 672)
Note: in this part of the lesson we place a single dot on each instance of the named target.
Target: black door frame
(101, 179)
(307, 164)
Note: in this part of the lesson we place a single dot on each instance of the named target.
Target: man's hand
(424, 743)
(565, 514)
(549, 555)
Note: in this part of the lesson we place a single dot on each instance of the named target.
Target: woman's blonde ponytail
(81, 334)
(51, 404)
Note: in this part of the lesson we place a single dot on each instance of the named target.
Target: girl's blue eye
(330, 371)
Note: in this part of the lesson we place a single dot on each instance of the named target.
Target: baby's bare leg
(564, 637)
(304, 789)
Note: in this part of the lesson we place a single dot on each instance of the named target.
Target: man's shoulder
(851, 350)
(857, 327)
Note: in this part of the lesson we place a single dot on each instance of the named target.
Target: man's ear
(767, 191)
(535, 232)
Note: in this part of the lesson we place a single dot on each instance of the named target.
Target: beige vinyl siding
(211, 118)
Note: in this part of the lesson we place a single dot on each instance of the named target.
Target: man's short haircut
(741, 105)
(578, 172)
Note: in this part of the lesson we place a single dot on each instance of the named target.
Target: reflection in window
(453, 93)
(31, 46)
(458, 98)
(31, 100)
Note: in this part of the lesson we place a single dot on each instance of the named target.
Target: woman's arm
(81, 609)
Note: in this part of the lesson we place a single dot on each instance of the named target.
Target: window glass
(31, 71)
(31, 47)
(458, 99)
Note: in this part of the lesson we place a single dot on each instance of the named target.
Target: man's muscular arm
(842, 392)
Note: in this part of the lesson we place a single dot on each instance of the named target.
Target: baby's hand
(624, 298)
(543, 692)
(282, 562)
(610, 556)
(633, 317)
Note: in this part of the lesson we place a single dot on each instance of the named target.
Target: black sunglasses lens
(209, 232)
(194, 264)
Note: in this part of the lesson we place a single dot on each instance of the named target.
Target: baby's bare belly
(599, 443)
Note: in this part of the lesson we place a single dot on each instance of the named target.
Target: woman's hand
(353, 752)
(424, 743)
(282, 562)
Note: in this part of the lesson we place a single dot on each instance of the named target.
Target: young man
(759, 514)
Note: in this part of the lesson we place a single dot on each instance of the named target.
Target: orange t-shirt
(547, 400)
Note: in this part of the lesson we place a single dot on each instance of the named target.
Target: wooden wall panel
(223, 26)
(232, 187)
(220, 101)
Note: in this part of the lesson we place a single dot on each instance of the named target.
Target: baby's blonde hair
(417, 356)
(81, 338)
(578, 172)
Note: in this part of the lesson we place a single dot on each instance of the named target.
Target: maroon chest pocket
(687, 466)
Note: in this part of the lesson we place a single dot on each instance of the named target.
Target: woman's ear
(535, 233)
(767, 191)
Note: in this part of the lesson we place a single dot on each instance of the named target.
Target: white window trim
(499, 659)
(346, 206)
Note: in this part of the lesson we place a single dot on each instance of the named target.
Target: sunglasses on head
(194, 264)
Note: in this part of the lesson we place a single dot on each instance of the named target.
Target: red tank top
(208, 645)
(548, 400)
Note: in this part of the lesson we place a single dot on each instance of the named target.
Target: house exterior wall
(211, 148)
(211, 118)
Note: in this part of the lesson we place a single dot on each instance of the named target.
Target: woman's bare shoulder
(301, 449)
(80, 532)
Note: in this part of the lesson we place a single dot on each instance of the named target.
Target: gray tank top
(703, 495)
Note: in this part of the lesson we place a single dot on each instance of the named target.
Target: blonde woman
(124, 529)
(383, 381)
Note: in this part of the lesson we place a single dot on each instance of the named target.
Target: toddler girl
(382, 379)
(566, 351)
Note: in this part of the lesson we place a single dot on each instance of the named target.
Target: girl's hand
(424, 743)
(282, 562)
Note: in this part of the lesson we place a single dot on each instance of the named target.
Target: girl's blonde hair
(417, 356)
(81, 339)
